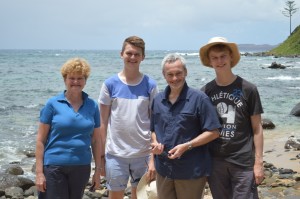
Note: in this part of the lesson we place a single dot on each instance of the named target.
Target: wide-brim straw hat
(146, 190)
(219, 40)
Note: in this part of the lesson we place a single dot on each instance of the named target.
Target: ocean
(30, 77)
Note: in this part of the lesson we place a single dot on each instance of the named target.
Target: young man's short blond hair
(135, 41)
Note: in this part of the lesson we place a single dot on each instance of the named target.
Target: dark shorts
(230, 181)
(65, 182)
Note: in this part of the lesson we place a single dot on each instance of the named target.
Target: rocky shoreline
(278, 183)
(283, 181)
(266, 54)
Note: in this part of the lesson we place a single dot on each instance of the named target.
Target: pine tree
(289, 11)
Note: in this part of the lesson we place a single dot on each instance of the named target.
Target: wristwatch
(190, 146)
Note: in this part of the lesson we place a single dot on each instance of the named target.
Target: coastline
(273, 187)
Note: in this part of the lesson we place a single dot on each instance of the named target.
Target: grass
(290, 47)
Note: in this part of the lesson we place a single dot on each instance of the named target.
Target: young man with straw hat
(238, 152)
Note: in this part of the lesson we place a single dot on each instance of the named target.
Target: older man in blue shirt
(183, 121)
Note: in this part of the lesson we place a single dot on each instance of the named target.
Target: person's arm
(156, 148)
(151, 173)
(41, 139)
(104, 117)
(200, 140)
(97, 151)
(258, 144)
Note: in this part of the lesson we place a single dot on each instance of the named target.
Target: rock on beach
(267, 124)
(292, 143)
(296, 110)
(278, 183)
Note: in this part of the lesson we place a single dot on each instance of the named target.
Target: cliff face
(290, 47)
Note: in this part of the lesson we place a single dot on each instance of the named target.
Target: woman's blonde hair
(76, 65)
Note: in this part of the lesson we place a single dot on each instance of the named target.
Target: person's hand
(177, 151)
(157, 148)
(151, 173)
(96, 180)
(40, 182)
(258, 173)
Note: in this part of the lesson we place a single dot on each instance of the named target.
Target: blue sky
(163, 24)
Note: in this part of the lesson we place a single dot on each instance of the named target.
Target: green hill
(290, 47)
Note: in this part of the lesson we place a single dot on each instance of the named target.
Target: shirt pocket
(187, 122)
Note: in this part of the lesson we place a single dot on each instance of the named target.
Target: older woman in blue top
(68, 132)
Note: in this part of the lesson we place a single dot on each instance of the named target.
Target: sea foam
(284, 78)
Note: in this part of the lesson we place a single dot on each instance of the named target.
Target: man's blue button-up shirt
(173, 124)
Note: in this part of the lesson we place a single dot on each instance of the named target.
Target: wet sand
(275, 153)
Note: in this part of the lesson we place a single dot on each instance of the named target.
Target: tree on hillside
(289, 11)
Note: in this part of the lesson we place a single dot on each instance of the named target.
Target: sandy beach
(275, 153)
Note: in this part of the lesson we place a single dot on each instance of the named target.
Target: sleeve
(153, 93)
(104, 97)
(46, 113)
(203, 89)
(97, 116)
(208, 116)
(255, 105)
(152, 119)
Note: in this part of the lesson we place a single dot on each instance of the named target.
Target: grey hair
(171, 58)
